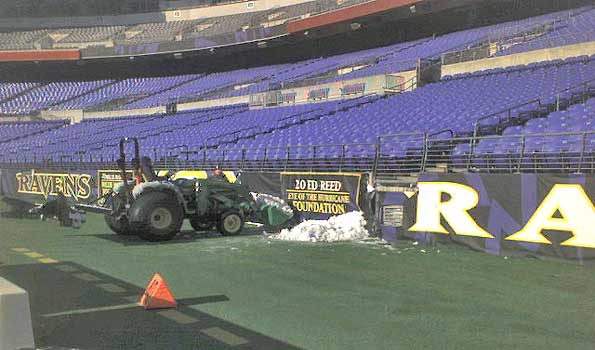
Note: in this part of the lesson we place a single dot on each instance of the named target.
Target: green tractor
(155, 211)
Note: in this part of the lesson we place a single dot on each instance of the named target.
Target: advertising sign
(321, 195)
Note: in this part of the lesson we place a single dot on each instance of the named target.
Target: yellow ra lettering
(430, 208)
(577, 217)
(576, 210)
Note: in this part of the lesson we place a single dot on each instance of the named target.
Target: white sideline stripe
(85, 276)
(93, 309)
(112, 288)
(67, 268)
(224, 336)
(177, 316)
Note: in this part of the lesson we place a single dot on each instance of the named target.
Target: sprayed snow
(346, 227)
(267, 199)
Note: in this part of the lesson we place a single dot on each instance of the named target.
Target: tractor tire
(230, 223)
(198, 224)
(120, 227)
(156, 216)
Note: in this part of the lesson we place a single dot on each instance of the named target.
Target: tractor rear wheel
(156, 216)
(120, 226)
(230, 223)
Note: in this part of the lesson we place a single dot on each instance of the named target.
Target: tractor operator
(147, 173)
(218, 175)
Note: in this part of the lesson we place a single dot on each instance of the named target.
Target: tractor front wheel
(156, 216)
(230, 223)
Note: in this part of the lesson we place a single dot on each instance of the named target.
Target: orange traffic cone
(157, 295)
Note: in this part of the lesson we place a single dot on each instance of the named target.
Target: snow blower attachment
(156, 210)
(59, 209)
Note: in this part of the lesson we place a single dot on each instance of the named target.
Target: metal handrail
(205, 144)
(381, 165)
(509, 110)
(450, 131)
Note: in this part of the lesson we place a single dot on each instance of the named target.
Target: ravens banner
(505, 214)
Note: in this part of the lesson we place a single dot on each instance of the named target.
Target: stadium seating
(510, 109)
(88, 34)
(47, 95)
(166, 31)
(197, 87)
(562, 28)
(565, 31)
(10, 90)
(20, 40)
(454, 104)
(554, 142)
(15, 130)
(144, 92)
(123, 91)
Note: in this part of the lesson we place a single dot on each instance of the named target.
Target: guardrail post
(475, 134)
(470, 157)
(557, 102)
(424, 153)
(522, 155)
(264, 159)
(342, 160)
(287, 155)
(376, 159)
(243, 158)
(582, 155)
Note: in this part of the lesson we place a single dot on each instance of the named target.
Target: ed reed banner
(321, 195)
(535, 214)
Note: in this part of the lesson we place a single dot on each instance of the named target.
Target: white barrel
(16, 331)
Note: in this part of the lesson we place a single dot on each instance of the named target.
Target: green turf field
(248, 292)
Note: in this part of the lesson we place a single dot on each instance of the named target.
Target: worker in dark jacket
(147, 172)
(218, 175)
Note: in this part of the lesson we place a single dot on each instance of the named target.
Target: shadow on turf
(181, 238)
(55, 290)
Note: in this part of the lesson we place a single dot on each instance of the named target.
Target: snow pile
(267, 199)
(346, 227)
